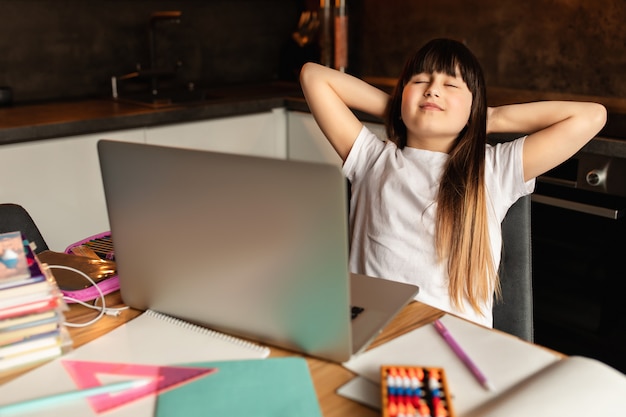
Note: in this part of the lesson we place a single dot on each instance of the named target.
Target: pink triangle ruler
(84, 374)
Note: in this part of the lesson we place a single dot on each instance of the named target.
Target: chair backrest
(514, 312)
(14, 217)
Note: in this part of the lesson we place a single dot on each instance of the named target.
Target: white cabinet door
(306, 142)
(260, 134)
(58, 182)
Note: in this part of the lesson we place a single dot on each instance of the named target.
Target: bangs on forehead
(445, 62)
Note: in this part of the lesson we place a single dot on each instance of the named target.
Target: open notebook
(528, 380)
(254, 247)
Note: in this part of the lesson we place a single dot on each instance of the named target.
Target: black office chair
(14, 217)
(514, 312)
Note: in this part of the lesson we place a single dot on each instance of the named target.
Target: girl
(427, 203)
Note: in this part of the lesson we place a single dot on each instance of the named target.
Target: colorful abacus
(414, 391)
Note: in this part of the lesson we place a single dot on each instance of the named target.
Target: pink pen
(460, 353)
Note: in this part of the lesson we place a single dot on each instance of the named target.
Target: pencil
(71, 395)
(460, 353)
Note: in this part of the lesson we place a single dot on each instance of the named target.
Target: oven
(579, 258)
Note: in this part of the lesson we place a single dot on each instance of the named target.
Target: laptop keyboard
(355, 311)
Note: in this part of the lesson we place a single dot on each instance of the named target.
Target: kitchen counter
(31, 122)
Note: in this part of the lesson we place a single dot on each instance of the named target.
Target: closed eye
(420, 79)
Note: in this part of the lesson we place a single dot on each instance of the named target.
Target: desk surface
(327, 376)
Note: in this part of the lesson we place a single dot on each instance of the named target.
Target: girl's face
(435, 108)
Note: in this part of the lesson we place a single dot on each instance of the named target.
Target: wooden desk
(327, 376)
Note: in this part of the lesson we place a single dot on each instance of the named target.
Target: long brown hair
(462, 235)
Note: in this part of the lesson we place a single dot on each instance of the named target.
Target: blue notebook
(272, 387)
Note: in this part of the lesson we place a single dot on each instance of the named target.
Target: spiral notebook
(152, 340)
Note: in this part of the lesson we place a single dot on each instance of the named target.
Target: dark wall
(51, 49)
(569, 46)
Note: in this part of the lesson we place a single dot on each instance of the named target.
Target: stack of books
(31, 308)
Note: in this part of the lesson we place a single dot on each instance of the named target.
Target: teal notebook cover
(272, 387)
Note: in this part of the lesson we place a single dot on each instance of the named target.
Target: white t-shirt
(392, 213)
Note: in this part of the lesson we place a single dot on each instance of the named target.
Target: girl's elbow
(591, 119)
(307, 69)
(598, 116)
(304, 70)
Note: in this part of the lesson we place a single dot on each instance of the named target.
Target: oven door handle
(579, 207)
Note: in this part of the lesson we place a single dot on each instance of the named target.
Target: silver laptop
(254, 247)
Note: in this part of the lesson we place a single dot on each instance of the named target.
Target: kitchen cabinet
(306, 142)
(58, 182)
(260, 134)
